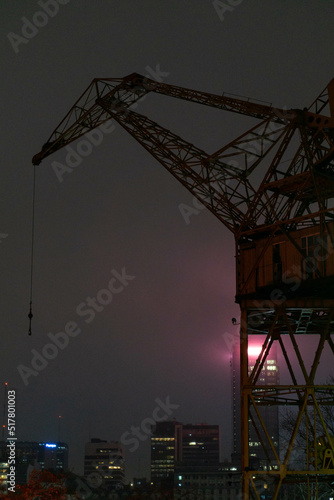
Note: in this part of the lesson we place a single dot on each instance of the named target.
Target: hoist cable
(30, 315)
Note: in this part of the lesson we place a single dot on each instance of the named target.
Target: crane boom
(226, 181)
(85, 114)
(272, 187)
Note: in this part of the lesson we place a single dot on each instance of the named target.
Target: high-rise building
(200, 444)
(166, 450)
(51, 456)
(269, 375)
(175, 445)
(236, 403)
(106, 459)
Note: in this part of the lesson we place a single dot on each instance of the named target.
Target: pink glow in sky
(254, 350)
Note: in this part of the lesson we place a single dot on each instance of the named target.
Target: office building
(106, 459)
(166, 450)
(221, 482)
(175, 445)
(269, 375)
(31, 455)
(200, 444)
(236, 404)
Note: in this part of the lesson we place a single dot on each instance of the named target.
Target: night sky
(164, 335)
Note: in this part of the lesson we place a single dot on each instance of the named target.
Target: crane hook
(30, 316)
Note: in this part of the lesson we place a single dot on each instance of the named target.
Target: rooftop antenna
(59, 420)
(4, 413)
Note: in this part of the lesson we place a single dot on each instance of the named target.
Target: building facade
(166, 450)
(175, 445)
(269, 375)
(105, 460)
(221, 482)
(200, 444)
(236, 404)
(31, 455)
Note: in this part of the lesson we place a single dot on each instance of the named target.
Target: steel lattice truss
(305, 455)
(293, 192)
(272, 187)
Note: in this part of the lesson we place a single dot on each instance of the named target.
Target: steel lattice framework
(273, 188)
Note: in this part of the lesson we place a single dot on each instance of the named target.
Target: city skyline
(133, 281)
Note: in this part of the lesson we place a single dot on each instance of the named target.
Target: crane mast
(272, 187)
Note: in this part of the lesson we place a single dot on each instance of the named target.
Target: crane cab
(299, 264)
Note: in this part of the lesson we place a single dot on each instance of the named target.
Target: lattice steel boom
(273, 187)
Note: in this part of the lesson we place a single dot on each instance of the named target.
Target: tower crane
(273, 188)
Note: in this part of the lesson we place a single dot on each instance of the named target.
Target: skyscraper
(200, 444)
(31, 455)
(166, 450)
(175, 445)
(269, 375)
(236, 410)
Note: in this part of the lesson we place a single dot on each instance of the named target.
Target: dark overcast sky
(163, 335)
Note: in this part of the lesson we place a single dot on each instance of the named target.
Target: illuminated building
(106, 459)
(200, 444)
(31, 455)
(55, 456)
(175, 445)
(166, 449)
(3, 476)
(212, 482)
(269, 375)
(236, 410)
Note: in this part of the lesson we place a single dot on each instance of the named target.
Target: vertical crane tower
(273, 188)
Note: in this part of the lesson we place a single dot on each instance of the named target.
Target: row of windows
(162, 439)
(163, 453)
(270, 368)
(257, 443)
(154, 462)
(162, 466)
